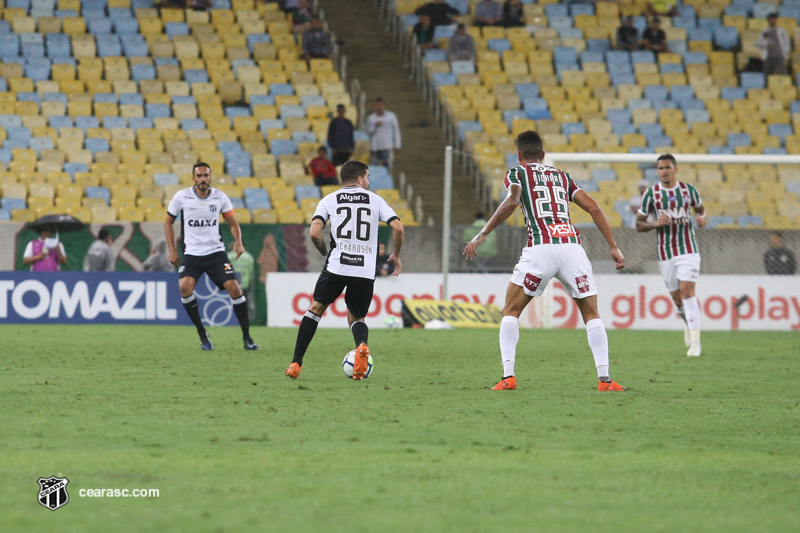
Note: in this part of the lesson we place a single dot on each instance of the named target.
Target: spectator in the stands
(322, 169)
(340, 136)
(654, 38)
(628, 36)
(301, 17)
(440, 12)
(513, 14)
(664, 8)
(423, 33)
(461, 46)
(384, 135)
(775, 47)
(488, 13)
(779, 260)
(316, 41)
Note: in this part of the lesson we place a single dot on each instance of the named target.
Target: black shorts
(216, 265)
(358, 296)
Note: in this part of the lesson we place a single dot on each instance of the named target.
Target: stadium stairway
(373, 59)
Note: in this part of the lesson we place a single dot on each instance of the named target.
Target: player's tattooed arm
(316, 236)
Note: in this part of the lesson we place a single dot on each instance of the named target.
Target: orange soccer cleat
(293, 371)
(361, 363)
(609, 385)
(509, 383)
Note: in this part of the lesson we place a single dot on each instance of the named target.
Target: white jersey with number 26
(355, 215)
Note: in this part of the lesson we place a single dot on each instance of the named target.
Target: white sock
(509, 337)
(692, 317)
(682, 313)
(598, 342)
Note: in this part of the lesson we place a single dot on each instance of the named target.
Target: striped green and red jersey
(677, 238)
(546, 193)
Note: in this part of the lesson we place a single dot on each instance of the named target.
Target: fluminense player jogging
(355, 214)
(670, 202)
(554, 250)
(199, 208)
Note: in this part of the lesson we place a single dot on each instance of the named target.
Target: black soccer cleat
(249, 344)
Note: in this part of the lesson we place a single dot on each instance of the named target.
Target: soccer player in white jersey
(199, 208)
(670, 202)
(553, 250)
(355, 214)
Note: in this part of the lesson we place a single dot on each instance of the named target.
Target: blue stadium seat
(443, 32)
(696, 115)
(254, 38)
(556, 10)
(282, 146)
(739, 139)
(312, 191)
(176, 28)
(642, 56)
(568, 128)
(671, 68)
(281, 88)
(792, 12)
(618, 116)
(288, 111)
(312, 99)
(434, 54)
(98, 25)
(726, 37)
(143, 72)
(698, 34)
(622, 78)
(95, 191)
(720, 150)
(588, 185)
(157, 110)
(29, 97)
(623, 128)
(165, 179)
(709, 23)
(38, 144)
(59, 122)
(750, 220)
(126, 25)
(658, 105)
(104, 98)
(527, 90)
(589, 56)
(262, 99)
(444, 78)
(686, 11)
(95, 145)
(656, 92)
(5, 214)
(581, 9)
(58, 45)
(733, 93)
(695, 58)
(304, 137)
(604, 174)
(19, 133)
(498, 45)
(762, 9)
(684, 22)
(738, 11)
(236, 202)
(110, 123)
(692, 103)
(108, 45)
(719, 220)
(510, 114)
(467, 125)
(639, 103)
(619, 68)
(618, 56)
(134, 46)
(780, 131)
(462, 67)
(598, 45)
(753, 80)
(237, 111)
(564, 54)
(774, 150)
(193, 124)
(11, 203)
(131, 99)
(257, 199)
(140, 123)
(12, 121)
(86, 122)
(559, 23)
(266, 124)
(192, 76)
(651, 129)
(678, 93)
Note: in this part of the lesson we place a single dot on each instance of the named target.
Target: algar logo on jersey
(352, 198)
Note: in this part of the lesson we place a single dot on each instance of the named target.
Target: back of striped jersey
(546, 193)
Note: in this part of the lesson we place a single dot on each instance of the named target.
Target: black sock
(308, 326)
(360, 332)
(240, 309)
(193, 310)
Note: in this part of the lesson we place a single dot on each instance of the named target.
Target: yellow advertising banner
(457, 314)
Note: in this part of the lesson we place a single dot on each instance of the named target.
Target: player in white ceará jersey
(199, 208)
(355, 214)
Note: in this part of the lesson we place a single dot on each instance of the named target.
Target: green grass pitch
(423, 445)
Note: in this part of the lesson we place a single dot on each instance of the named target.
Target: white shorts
(566, 262)
(684, 267)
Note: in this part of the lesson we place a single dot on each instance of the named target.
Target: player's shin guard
(598, 342)
(306, 331)
(509, 337)
(692, 317)
(360, 332)
(193, 310)
(240, 309)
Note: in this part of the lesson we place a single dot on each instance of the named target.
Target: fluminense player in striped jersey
(670, 202)
(554, 250)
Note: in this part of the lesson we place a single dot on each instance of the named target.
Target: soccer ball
(349, 361)
(393, 322)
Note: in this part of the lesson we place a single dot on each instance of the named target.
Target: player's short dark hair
(667, 157)
(529, 144)
(103, 234)
(352, 170)
(200, 164)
